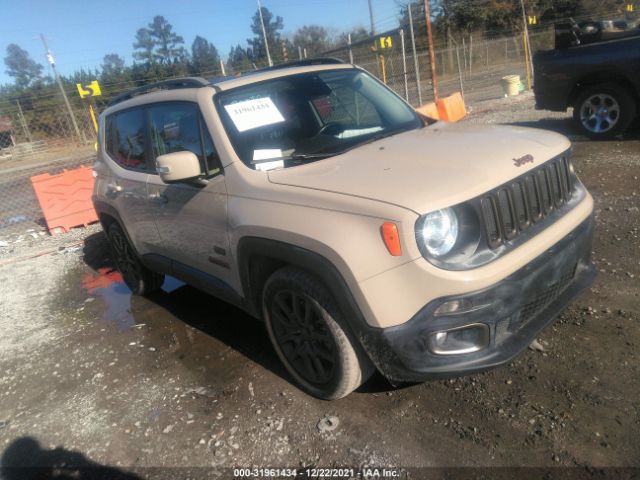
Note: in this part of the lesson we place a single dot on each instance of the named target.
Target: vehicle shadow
(25, 459)
(232, 326)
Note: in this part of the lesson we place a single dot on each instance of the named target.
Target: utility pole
(264, 35)
(59, 82)
(432, 55)
(416, 64)
(527, 46)
(373, 24)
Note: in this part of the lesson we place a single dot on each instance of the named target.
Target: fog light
(457, 341)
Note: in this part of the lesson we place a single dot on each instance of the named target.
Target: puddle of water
(107, 284)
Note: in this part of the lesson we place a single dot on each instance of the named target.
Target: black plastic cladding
(516, 211)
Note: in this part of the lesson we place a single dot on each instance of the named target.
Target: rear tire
(311, 337)
(604, 111)
(139, 279)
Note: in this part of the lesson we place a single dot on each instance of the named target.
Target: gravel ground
(94, 377)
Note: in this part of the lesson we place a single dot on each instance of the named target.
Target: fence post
(24, 123)
(486, 43)
(350, 51)
(416, 64)
(404, 65)
(464, 53)
(470, 53)
(459, 71)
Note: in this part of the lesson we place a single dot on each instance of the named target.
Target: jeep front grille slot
(512, 208)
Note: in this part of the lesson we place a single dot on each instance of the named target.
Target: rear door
(191, 219)
(125, 143)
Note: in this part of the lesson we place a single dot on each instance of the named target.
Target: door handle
(158, 198)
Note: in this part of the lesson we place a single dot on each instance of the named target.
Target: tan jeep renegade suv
(316, 199)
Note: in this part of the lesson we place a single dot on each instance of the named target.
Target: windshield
(292, 120)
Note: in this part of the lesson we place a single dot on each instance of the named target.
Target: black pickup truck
(595, 72)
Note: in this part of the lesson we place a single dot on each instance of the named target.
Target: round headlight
(440, 231)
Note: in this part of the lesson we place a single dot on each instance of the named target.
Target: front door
(191, 218)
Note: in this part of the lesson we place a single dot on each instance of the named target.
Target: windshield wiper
(309, 156)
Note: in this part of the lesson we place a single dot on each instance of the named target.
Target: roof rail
(307, 62)
(172, 84)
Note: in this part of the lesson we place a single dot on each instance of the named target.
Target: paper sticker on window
(254, 113)
(261, 158)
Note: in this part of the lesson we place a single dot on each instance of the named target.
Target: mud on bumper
(514, 312)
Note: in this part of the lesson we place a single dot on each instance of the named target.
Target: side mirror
(178, 166)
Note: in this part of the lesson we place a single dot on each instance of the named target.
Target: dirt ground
(93, 376)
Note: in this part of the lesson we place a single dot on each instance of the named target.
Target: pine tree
(21, 66)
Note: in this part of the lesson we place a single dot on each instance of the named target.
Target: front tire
(139, 279)
(310, 335)
(604, 111)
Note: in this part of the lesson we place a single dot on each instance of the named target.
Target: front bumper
(516, 310)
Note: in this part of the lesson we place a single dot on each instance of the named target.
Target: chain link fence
(35, 140)
(473, 67)
(38, 137)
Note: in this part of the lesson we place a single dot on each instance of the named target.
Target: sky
(80, 33)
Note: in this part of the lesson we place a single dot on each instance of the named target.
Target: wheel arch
(258, 258)
(108, 215)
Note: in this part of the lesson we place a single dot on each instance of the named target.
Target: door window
(178, 127)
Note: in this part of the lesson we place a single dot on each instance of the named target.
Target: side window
(177, 127)
(174, 128)
(125, 139)
(108, 136)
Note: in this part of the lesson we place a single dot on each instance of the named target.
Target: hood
(430, 168)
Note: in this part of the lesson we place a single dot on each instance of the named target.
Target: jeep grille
(514, 207)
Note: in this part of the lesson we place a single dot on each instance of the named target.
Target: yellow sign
(629, 7)
(385, 42)
(533, 20)
(91, 90)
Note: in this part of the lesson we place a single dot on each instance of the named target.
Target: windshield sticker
(261, 159)
(266, 154)
(254, 113)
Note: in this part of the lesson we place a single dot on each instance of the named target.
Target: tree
(312, 37)
(257, 51)
(21, 66)
(204, 56)
(168, 44)
(112, 66)
(357, 34)
(238, 60)
(144, 45)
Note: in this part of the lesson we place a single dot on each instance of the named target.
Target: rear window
(125, 139)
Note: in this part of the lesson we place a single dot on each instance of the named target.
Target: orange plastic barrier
(429, 110)
(451, 108)
(65, 199)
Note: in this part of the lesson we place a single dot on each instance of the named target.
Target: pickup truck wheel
(309, 335)
(604, 111)
(139, 279)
